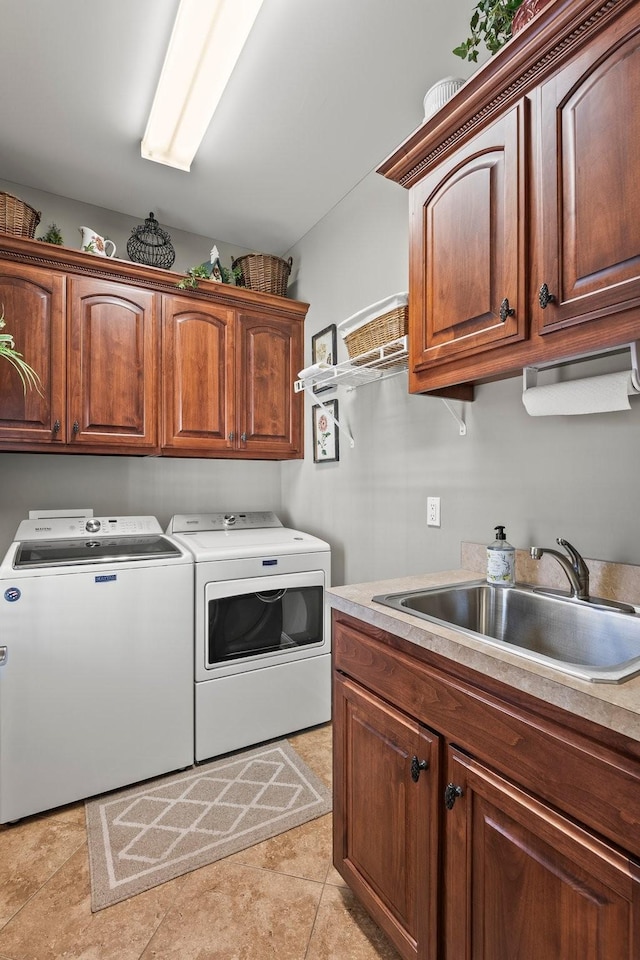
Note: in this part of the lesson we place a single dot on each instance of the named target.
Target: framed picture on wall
(325, 434)
(324, 347)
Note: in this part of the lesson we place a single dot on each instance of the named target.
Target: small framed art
(324, 347)
(325, 434)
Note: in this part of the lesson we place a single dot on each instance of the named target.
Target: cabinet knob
(416, 767)
(76, 427)
(451, 794)
(506, 310)
(243, 437)
(56, 426)
(232, 436)
(544, 297)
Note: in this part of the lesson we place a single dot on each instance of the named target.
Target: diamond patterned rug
(161, 829)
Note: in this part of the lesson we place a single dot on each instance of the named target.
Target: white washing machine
(96, 659)
(262, 628)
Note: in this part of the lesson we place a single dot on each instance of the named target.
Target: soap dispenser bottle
(501, 560)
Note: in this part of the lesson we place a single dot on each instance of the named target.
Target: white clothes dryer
(262, 628)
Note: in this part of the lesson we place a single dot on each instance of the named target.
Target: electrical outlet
(433, 511)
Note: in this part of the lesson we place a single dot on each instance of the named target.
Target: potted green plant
(490, 25)
(8, 350)
(52, 235)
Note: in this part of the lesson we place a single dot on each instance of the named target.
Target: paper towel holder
(530, 374)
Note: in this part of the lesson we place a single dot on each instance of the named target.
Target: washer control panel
(64, 528)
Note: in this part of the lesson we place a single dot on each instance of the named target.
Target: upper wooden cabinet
(112, 363)
(33, 300)
(523, 188)
(130, 365)
(228, 382)
(198, 376)
(467, 246)
(588, 134)
(269, 352)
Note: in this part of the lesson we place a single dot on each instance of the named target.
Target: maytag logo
(43, 529)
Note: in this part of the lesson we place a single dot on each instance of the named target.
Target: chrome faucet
(574, 566)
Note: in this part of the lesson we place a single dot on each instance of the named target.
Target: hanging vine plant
(490, 25)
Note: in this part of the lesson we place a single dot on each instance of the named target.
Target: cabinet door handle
(56, 426)
(451, 794)
(76, 427)
(506, 310)
(416, 767)
(544, 297)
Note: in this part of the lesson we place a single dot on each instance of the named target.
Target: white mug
(92, 242)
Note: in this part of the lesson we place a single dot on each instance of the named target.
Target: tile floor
(280, 899)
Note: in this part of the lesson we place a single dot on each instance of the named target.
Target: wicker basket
(390, 326)
(264, 273)
(17, 217)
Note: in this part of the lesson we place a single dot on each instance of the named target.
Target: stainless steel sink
(591, 640)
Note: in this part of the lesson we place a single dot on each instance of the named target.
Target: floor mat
(161, 829)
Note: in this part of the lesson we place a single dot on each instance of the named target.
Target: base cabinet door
(33, 304)
(523, 882)
(385, 824)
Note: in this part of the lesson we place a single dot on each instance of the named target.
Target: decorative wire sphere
(151, 245)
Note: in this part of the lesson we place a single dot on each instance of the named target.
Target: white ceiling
(324, 91)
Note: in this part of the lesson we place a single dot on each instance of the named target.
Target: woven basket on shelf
(264, 273)
(17, 217)
(390, 326)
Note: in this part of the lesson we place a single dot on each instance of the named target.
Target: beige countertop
(613, 705)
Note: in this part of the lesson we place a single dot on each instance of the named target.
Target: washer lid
(58, 553)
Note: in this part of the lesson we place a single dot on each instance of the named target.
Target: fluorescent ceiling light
(207, 39)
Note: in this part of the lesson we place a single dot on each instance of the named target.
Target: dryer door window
(271, 618)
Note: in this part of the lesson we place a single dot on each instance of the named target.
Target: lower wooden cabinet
(522, 881)
(385, 841)
(457, 853)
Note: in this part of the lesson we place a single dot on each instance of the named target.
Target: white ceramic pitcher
(92, 242)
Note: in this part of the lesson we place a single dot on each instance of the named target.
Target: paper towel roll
(611, 391)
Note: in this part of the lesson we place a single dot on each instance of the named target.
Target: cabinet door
(33, 303)
(385, 822)
(523, 882)
(467, 248)
(269, 356)
(589, 135)
(199, 413)
(112, 364)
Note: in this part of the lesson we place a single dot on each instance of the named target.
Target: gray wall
(69, 215)
(542, 477)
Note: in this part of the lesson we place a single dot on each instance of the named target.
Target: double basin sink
(589, 639)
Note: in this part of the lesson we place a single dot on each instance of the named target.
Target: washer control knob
(229, 519)
(93, 525)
